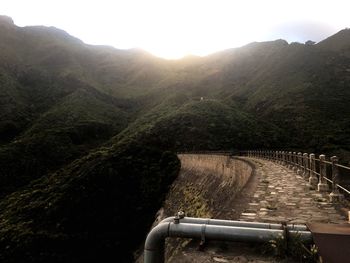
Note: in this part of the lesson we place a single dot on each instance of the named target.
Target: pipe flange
(179, 215)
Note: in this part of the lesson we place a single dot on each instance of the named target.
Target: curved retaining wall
(205, 187)
(233, 172)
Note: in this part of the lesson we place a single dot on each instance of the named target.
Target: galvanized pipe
(154, 245)
(220, 222)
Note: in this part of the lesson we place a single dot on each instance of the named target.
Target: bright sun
(172, 29)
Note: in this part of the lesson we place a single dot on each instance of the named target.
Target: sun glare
(172, 29)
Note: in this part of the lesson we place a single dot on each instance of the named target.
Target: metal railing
(315, 170)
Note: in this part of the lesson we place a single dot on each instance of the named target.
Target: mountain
(88, 134)
(338, 42)
(65, 190)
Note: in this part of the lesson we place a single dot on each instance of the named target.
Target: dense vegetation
(88, 133)
(97, 209)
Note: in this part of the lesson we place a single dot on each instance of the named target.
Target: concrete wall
(207, 186)
(233, 172)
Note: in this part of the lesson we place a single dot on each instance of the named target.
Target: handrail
(342, 166)
(301, 164)
(344, 189)
(311, 168)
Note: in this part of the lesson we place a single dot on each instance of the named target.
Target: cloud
(301, 31)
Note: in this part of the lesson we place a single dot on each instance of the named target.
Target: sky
(176, 28)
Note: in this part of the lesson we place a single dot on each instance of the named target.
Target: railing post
(335, 196)
(306, 173)
(295, 167)
(299, 170)
(283, 158)
(313, 180)
(290, 160)
(322, 184)
(279, 157)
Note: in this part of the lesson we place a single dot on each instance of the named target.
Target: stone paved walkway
(274, 194)
(282, 195)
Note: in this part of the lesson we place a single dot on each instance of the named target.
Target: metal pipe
(154, 245)
(219, 222)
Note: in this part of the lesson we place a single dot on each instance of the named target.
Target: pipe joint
(179, 215)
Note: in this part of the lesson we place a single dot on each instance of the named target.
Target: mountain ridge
(9, 21)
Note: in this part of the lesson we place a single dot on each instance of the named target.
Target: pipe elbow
(167, 220)
(155, 238)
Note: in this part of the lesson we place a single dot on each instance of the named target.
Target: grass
(292, 248)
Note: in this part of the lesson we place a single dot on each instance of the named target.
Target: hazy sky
(176, 28)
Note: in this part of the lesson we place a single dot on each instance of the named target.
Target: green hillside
(88, 211)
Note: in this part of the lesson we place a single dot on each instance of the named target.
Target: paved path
(282, 195)
(275, 194)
